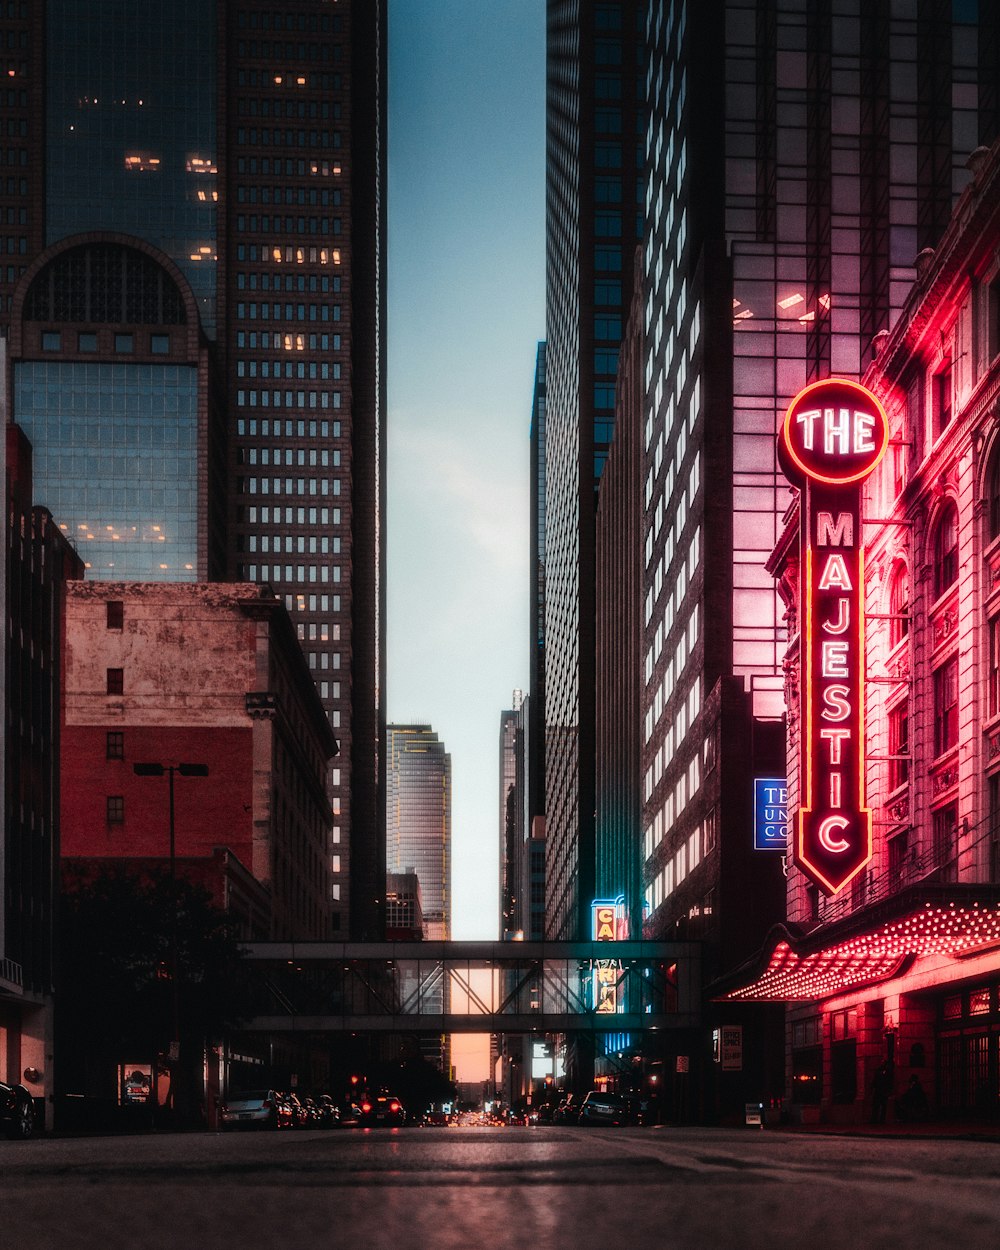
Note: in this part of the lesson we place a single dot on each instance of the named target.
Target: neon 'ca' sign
(834, 434)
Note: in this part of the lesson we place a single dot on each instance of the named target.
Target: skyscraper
(418, 819)
(509, 813)
(594, 137)
(799, 157)
(193, 287)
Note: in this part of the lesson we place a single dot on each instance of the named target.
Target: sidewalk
(958, 1130)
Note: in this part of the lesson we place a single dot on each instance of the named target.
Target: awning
(869, 946)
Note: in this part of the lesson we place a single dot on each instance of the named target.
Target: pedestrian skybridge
(474, 987)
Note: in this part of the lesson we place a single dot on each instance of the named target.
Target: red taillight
(394, 1106)
(366, 1107)
(266, 1103)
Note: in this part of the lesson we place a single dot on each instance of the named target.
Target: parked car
(568, 1111)
(255, 1108)
(327, 1112)
(383, 1109)
(17, 1112)
(598, 1108)
(298, 1112)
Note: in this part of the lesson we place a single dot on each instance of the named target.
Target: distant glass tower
(595, 123)
(418, 819)
(192, 284)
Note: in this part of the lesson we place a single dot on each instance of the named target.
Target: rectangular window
(899, 745)
(116, 681)
(899, 848)
(942, 398)
(159, 344)
(115, 745)
(946, 843)
(116, 614)
(86, 342)
(124, 343)
(946, 706)
(993, 669)
(116, 809)
(51, 341)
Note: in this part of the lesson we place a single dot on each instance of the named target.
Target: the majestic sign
(834, 434)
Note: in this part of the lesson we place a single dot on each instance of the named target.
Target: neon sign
(770, 813)
(609, 919)
(834, 434)
(610, 924)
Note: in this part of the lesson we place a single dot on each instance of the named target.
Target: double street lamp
(158, 770)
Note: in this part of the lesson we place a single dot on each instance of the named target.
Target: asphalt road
(534, 1188)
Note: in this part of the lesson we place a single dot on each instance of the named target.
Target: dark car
(298, 1112)
(17, 1112)
(383, 1109)
(598, 1108)
(568, 1111)
(327, 1112)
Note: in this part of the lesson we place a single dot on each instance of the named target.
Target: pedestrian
(881, 1090)
(912, 1105)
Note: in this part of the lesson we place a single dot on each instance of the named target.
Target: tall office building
(618, 605)
(594, 155)
(192, 283)
(800, 156)
(509, 815)
(536, 597)
(418, 819)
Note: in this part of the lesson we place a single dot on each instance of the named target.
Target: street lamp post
(185, 770)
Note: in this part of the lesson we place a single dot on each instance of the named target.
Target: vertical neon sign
(610, 924)
(834, 434)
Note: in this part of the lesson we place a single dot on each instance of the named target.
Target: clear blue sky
(466, 309)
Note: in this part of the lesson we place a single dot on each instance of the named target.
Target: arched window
(946, 550)
(993, 498)
(899, 605)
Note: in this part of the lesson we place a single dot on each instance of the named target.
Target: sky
(466, 309)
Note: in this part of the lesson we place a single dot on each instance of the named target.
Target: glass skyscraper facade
(594, 135)
(131, 129)
(116, 460)
(418, 820)
(232, 153)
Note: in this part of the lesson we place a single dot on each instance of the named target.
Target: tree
(144, 960)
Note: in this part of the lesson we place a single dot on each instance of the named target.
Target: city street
(545, 1188)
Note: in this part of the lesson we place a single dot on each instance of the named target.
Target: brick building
(210, 675)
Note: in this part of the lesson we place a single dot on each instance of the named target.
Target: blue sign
(770, 813)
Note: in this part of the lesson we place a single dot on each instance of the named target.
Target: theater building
(897, 960)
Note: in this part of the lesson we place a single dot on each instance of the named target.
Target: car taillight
(366, 1107)
(394, 1106)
